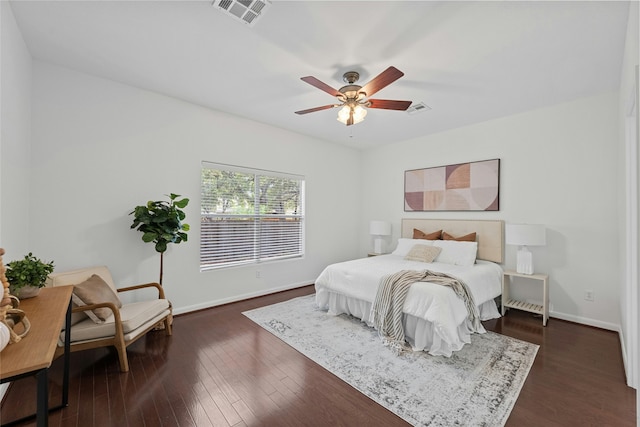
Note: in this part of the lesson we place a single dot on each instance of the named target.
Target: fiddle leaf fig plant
(161, 223)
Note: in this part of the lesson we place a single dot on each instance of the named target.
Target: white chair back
(78, 276)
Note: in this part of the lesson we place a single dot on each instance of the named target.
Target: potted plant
(161, 223)
(26, 276)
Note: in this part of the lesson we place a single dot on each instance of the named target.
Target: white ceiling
(468, 61)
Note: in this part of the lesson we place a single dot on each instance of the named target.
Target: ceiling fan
(354, 99)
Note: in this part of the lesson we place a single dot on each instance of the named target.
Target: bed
(435, 320)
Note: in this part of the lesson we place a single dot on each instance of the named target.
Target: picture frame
(471, 186)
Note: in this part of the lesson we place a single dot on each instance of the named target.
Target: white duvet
(359, 279)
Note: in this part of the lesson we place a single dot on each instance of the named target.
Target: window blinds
(249, 216)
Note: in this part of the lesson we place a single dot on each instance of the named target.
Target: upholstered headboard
(489, 233)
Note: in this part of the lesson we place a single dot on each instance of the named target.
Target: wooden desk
(32, 356)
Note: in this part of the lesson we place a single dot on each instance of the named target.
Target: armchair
(99, 319)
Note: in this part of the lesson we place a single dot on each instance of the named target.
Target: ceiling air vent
(246, 11)
(418, 108)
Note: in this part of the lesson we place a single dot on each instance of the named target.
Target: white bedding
(435, 318)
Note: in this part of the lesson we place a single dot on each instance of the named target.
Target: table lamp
(378, 229)
(524, 235)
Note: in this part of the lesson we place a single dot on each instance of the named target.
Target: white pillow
(457, 253)
(405, 245)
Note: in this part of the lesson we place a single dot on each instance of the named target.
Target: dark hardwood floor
(220, 369)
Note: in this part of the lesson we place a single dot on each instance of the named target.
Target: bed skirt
(420, 333)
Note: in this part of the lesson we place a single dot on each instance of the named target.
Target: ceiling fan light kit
(355, 113)
(353, 98)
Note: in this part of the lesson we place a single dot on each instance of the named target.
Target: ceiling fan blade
(388, 104)
(313, 110)
(382, 80)
(320, 85)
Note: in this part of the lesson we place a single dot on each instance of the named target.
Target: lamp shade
(525, 235)
(380, 228)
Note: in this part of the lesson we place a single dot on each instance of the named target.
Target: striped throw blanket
(391, 295)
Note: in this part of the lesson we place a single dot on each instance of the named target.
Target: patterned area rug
(477, 386)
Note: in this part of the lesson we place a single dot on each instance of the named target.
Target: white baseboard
(625, 362)
(236, 298)
(563, 316)
(586, 321)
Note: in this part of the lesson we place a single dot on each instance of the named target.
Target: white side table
(508, 302)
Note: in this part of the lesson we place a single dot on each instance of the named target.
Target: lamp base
(524, 263)
(378, 245)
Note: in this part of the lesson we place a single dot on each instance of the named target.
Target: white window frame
(293, 243)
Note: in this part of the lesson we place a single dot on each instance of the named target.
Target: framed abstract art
(473, 186)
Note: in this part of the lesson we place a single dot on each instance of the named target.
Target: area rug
(477, 386)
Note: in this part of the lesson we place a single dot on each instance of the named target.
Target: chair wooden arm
(118, 338)
(145, 285)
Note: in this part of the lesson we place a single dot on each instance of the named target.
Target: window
(249, 216)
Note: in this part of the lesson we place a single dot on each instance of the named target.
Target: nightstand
(507, 302)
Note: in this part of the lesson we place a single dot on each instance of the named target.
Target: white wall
(628, 198)
(100, 148)
(558, 168)
(15, 134)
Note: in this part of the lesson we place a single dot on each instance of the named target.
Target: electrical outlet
(589, 296)
(257, 274)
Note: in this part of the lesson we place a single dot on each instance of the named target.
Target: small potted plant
(26, 276)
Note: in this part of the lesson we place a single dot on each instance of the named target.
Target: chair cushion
(134, 316)
(95, 290)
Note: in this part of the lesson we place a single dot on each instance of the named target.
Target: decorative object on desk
(161, 223)
(524, 235)
(473, 186)
(26, 276)
(5, 305)
(5, 335)
(18, 323)
(15, 320)
(379, 229)
(5, 300)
